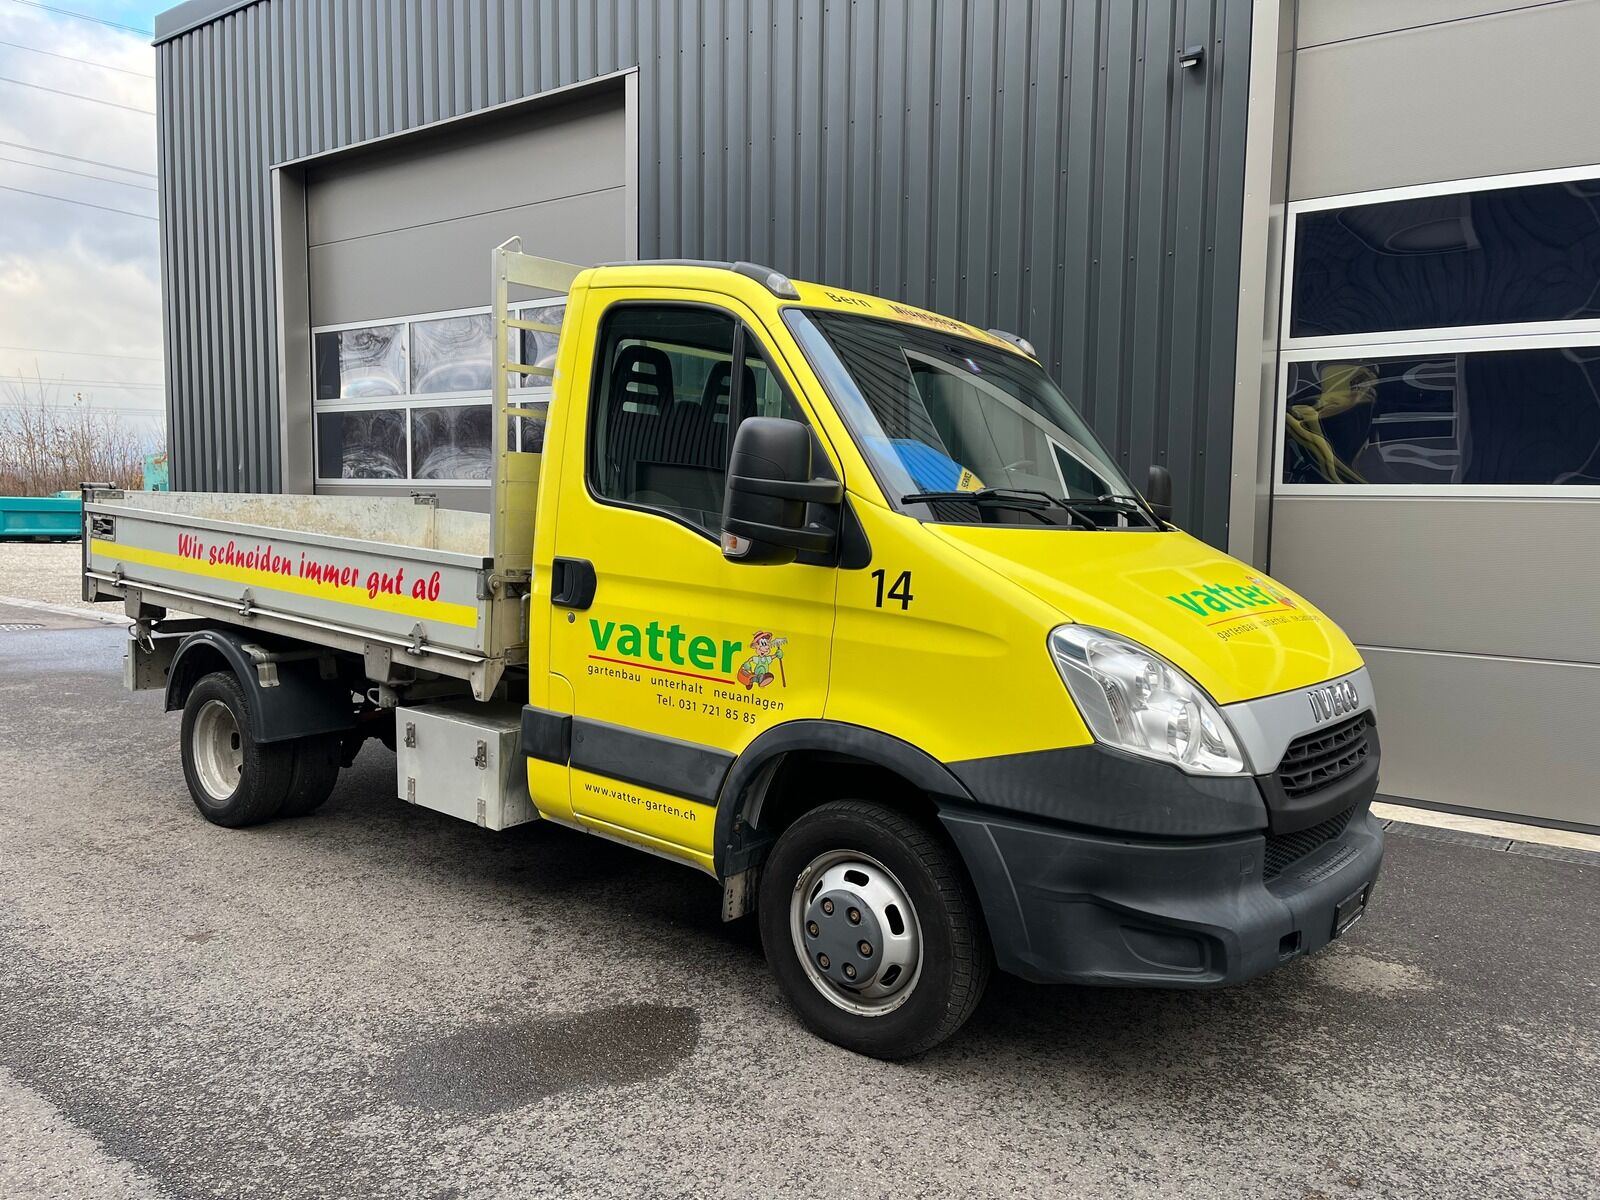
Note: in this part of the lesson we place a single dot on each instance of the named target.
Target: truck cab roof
(767, 286)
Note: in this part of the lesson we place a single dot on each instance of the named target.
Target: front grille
(1314, 760)
(1284, 849)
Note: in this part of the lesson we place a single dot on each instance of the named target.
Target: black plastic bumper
(1074, 907)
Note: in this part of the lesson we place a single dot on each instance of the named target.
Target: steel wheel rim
(884, 991)
(218, 750)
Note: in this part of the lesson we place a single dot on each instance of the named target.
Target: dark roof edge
(191, 14)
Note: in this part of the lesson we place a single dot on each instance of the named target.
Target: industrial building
(1334, 263)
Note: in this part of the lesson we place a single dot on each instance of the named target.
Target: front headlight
(1135, 700)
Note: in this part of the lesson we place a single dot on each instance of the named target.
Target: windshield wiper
(1045, 499)
(1033, 496)
(1127, 504)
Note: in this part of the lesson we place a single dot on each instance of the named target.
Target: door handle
(572, 582)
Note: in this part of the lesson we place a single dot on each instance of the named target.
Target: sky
(80, 287)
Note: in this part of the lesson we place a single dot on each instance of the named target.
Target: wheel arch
(300, 703)
(758, 795)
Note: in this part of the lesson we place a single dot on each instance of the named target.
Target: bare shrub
(47, 445)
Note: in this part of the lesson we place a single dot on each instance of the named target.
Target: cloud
(42, 303)
(74, 277)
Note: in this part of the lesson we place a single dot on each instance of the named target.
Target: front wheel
(234, 779)
(869, 925)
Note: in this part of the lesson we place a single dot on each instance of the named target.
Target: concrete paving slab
(1511, 830)
(45, 572)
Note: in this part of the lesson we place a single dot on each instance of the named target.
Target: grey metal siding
(1324, 21)
(1504, 735)
(1481, 95)
(1479, 575)
(1040, 165)
(1475, 613)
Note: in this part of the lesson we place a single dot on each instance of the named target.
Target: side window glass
(661, 419)
(767, 395)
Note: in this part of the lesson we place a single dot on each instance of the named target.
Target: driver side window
(664, 409)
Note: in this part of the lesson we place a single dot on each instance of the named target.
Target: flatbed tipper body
(834, 599)
(388, 578)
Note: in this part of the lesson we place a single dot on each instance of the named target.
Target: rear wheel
(233, 779)
(316, 770)
(871, 930)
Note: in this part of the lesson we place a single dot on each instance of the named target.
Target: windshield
(961, 432)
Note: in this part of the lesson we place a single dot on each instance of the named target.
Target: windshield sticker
(934, 319)
(1231, 609)
(846, 298)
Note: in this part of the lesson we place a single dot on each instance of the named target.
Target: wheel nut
(849, 971)
(811, 928)
(827, 907)
(822, 961)
(865, 948)
(854, 916)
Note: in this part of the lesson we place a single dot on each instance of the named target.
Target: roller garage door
(398, 241)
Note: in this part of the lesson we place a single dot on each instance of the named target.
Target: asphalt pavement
(378, 1000)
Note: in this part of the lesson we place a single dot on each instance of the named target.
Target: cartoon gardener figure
(756, 671)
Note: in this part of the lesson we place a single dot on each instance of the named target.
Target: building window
(362, 444)
(451, 441)
(353, 364)
(1502, 256)
(1445, 338)
(407, 399)
(451, 355)
(1490, 417)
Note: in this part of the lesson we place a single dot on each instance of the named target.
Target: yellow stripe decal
(443, 611)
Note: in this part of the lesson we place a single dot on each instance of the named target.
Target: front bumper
(1067, 906)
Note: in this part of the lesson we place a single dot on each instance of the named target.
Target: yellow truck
(834, 599)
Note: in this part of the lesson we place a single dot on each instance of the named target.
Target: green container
(156, 478)
(40, 518)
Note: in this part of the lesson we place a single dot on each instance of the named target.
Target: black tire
(264, 770)
(956, 958)
(316, 770)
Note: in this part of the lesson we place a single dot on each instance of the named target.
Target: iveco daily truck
(834, 599)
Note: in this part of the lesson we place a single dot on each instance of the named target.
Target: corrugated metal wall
(1043, 166)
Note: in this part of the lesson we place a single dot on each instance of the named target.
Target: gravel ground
(379, 1001)
(46, 573)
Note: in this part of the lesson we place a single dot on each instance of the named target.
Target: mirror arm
(812, 491)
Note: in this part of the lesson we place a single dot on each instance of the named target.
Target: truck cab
(842, 603)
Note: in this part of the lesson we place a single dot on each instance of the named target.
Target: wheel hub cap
(844, 937)
(856, 932)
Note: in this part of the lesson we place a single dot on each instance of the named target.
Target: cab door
(677, 658)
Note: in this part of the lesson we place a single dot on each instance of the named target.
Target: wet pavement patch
(501, 1065)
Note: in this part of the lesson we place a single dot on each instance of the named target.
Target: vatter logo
(1223, 599)
(1277, 593)
(673, 650)
(756, 671)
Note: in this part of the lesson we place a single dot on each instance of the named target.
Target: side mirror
(769, 486)
(1159, 492)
